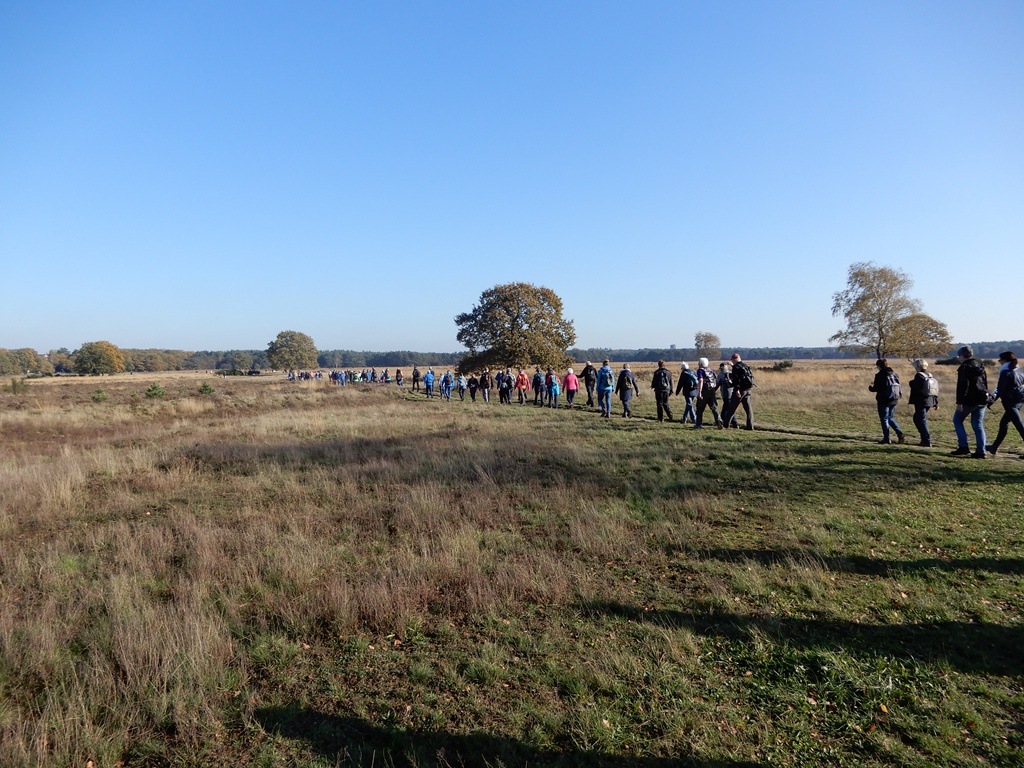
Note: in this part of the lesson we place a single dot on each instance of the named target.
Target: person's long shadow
(352, 741)
(856, 564)
(965, 645)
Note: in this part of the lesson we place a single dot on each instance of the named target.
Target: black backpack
(744, 377)
(710, 379)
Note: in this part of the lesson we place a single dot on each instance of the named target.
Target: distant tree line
(20, 362)
(690, 353)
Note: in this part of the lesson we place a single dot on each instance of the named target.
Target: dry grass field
(249, 571)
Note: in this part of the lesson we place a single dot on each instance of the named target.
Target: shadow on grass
(351, 741)
(856, 564)
(649, 463)
(966, 646)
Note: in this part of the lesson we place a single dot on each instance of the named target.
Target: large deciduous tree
(98, 357)
(708, 345)
(881, 318)
(291, 351)
(514, 325)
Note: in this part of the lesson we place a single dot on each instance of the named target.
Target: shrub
(100, 396)
(206, 389)
(782, 365)
(155, 390)
(18, 386)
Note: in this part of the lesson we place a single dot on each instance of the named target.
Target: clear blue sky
(203, 175)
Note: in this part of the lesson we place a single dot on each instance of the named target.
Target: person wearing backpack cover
(1010, 392)
(742, 379)
(707, 382)
(888, 392)
(924, 395)
(688, 386)
(971, 402)
(625, 387)
(661, 383)
(605, 387)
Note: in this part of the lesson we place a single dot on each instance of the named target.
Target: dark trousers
(738, 398)
(1010, 416)
(590, 393)
(664, 412)
(704, 403)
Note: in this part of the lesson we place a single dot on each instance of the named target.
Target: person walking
(661, 383)
(428, 382)
(460, 384)
(688, 387)
(742, 379)
(971, 402)
(605, 387)
(725, 388)
(554, 390)
(888, 392)
(538, 387)
(707, 386)
(924, 396)
(485, 384)
(571, 385)
(446, 385)
(589, 374)
(473, 384)
(522, 385)
(416, 379)
(1010, 392)
(625, 387)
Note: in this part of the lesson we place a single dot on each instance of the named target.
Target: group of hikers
(699, 388)
(973, 399)
(704, 388)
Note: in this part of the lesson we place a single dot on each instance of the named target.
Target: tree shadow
(964, 645)
(457, 455)
(352, 741)
(855, 564)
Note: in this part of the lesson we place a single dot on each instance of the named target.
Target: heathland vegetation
(197, 570)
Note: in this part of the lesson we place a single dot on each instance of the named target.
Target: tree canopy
(707, 345)
(515, 324)
(98, 357)
(882, 319)
(291, 351)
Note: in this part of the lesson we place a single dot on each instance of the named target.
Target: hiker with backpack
(589, 374)
(725, 387)
(661, 383)
(625, 387)
(742, 380)
(971, 401)
(538, 387)
(485, 383)
(605, 387)
(707, 385)
(1010, 392)
(888, 391)
(522, 385)
(688, 386)
(924, 395)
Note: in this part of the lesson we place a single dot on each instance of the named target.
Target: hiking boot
(900, 438)
(963, 450)
(923, 444)
(884, 441)
(993, 449)
(979, 455)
